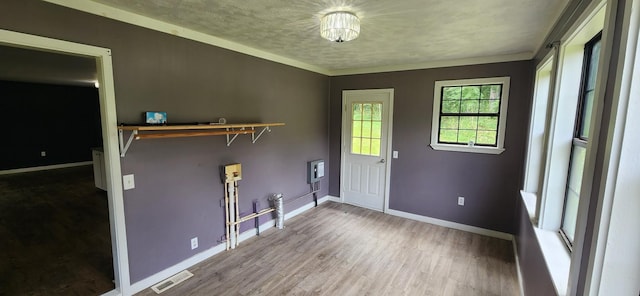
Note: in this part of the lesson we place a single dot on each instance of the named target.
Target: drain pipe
(278, 202)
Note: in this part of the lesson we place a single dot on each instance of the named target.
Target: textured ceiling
(393, 32)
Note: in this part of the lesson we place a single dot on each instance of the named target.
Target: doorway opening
(108, 121)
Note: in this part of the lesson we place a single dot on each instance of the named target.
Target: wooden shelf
(140, 132)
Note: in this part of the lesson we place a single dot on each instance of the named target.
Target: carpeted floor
(54, 234)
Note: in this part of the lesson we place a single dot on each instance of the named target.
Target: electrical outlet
(128, 182)
(194, 243)
(395, 154)
(460, 200)
(43, 153)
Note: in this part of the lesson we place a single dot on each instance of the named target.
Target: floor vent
(172, 281)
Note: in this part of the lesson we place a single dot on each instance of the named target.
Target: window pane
(366, 109)
(450, 136)
(377, 112)
(466, 136)
(451, 93)
(471, 92)
(356, 146)
(469, 122)
(488, 123)
(366, 129)
(570, 215)
(491, 92)
(449, 122)
(357, 129)
(376, 129)
(450, 106)
(375, 147)
(593, 66)
(357, 111)
(572, 200)
(489, 106)
(576, 170)
(366, 146)
(469, 106)
(487, 138)
(583, 133)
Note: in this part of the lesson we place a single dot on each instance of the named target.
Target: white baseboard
(520, 280)
(449, 224)
(334, 198)
(44, 168)
(160, 276)
(202, 256)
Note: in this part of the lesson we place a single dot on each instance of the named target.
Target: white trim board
(160, 26)
(204, 255)
(449, 224)
(334, 198)
(518, 270)
(46, 167)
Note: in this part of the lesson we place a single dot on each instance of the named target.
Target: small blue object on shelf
(156, 118)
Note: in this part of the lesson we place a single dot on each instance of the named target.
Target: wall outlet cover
(128, 182)
(460, 201)
(194, 243)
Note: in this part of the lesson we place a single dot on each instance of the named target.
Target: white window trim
(563, 266)
(435, 125)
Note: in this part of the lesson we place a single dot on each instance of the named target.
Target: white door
(366, 139)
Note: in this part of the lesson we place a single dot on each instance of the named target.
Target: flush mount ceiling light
(340, 26)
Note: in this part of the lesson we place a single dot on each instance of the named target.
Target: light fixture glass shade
(340, 26)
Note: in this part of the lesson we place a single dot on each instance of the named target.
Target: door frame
(108, 119)
(343, 145)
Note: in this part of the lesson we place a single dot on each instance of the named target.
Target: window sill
(471, 149)
(556, 255)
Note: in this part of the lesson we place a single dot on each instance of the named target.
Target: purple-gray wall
(428, 182)
(178, 188)
(533, 268)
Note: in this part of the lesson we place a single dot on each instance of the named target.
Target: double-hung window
(580, 139)
(470, 115)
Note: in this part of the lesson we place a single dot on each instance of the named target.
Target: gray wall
(535, 275)
(178, 187)
(427, 182)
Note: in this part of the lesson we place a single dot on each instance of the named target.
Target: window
(367, 128)
(580, 139)
(470, 115)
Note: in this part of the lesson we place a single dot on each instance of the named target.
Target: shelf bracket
(255, 138)
(231, 139)
(123, 149)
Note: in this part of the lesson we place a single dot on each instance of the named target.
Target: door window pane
(366, 127)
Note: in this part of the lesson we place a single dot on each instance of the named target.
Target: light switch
(128, 182)
(395, 154)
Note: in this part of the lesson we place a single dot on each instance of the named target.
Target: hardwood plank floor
(338, 249)
(54, 234)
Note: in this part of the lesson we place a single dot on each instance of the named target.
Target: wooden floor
(54, 234)
(339, 249)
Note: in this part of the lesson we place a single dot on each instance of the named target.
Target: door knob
(382, 160)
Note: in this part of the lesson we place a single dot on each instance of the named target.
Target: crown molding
(436, 64)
